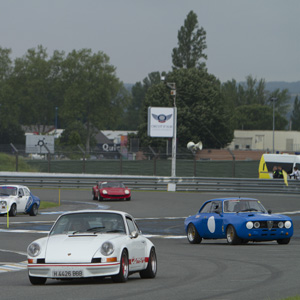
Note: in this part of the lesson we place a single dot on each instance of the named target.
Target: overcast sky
(244, 37)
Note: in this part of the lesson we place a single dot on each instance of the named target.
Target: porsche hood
(77, 248)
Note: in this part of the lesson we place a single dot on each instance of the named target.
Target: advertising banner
(161, 121)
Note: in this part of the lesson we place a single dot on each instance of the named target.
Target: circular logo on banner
(211, 224)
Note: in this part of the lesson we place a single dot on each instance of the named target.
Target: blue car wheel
(232, 237)
(283, 241)
(193, 235)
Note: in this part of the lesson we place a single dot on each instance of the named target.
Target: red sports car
(111, 190)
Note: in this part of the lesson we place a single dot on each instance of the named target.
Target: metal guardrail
(198, 184)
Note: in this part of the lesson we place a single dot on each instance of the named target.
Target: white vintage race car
(92, 243)
(18, 199)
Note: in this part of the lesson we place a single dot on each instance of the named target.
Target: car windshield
(93, 222)
(112, 184)
(8, 191)
(239, 205)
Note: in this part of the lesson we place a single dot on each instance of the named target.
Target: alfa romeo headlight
(280, 224)
(127, 192)
(104, 192)
(256, 225)
(34, 249)
(249, 225)
(288, 224)
(107, 248)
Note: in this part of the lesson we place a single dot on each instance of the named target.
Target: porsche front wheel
(193, 235)
(232, 237)
(151, 270)
(124, 269)
(37, 280)
(13, 210)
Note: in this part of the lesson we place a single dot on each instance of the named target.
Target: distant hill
(293, 87)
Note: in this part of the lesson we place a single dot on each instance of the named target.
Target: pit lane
(211, 270)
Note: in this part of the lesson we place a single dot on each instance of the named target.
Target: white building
(288, 141)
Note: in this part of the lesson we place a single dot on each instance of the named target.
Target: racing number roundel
(211, 224)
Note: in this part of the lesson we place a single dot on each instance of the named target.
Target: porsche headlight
(3, 203)
(256, 225)
(127, 192)
(104, 192)
(280, 224)
(34, 249)
(107, 248)
(288, 224)
(249, 225)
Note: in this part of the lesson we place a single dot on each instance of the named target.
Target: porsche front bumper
(73, 270)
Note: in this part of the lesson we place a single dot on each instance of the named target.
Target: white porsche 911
(92, 243)
(18, 199)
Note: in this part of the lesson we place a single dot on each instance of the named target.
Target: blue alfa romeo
(239, 220)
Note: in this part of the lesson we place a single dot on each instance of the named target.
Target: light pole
(273, 99)
(172, 86)
(56, 108)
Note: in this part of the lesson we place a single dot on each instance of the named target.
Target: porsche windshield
(8, 191)
(238, 205)
(89, 222)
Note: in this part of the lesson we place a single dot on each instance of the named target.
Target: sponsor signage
(161, 121)
(39, 144)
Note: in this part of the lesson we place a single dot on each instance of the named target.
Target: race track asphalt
(210, 270)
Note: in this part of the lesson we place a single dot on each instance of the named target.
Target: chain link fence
(144, 161)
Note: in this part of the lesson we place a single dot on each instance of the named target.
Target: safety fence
(153, 183)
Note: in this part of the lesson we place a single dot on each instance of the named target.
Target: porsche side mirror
(269, 211)
(134, 234)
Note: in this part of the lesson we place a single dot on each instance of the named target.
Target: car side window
(216, 206)
(130, 225)
(206, 208)
(26, 192)
(21, 192)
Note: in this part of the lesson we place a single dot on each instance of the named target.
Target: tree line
(82, 89)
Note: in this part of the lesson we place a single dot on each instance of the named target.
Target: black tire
(94, 196)
(123, 274)
(128, 199)
(34, 210)
(100, 198)
(37, 280)
(283, 241)
(232, 237)
(150, 271)
(192, 234)
(13, 210)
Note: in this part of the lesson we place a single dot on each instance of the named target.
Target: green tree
(201, 115)
(32, 80)
(257, 117)
(134, 115)
(295, 118)
(91, 91)
(10, 129)
(191, 44)
(253, 93)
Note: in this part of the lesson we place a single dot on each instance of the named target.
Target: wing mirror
(134, 234)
